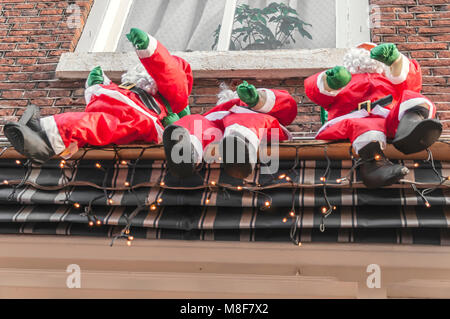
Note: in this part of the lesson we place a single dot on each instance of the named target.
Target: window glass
(284, 24)
(181, 25)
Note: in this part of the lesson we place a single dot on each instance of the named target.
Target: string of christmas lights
(68, 170)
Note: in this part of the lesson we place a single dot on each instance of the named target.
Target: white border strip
(51, 129)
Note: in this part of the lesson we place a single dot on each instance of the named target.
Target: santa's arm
(277, 103)
(318, 90)
(402, 71)
(172, 74)
(406, 73)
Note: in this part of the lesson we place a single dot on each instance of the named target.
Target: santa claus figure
(373, 98)
(230, 133)
(152, 95)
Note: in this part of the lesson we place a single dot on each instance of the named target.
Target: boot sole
(421, 137)
(28, 142)
(234, 168)
(182, 170)
(14, 136)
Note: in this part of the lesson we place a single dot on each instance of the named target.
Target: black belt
(148, 100)
(369, 106)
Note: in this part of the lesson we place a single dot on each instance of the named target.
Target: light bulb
(152, 207)
(110, 201)
(427, 204)
(127, 184)
(5, 182)
(98, 165)
(18, 162)
(91, 223)
(377, 157)
(282, 176)
(130, 238)
(129, 242)
(98, 222)
(267, 204)
(323, 179)
(159, 201)
(239, 188)
(292, 213)
(284, 220)
(124, 163)
(288, 178)
(76, 205)
(324, 210)
(162, 184)
(213, 183)
(339, 181)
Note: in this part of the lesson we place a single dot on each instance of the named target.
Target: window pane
(284, 24)
(181, 25)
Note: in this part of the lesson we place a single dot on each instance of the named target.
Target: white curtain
(183, 25)
(180, 25)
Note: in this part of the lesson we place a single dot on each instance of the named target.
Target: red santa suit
(360, 126)
(114, 115)
(234, 118)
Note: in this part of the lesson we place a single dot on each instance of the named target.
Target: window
(190, 25)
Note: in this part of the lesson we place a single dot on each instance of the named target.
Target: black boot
(416, 132)
(181, 138)
(28, 138)
(238, 160)
(376, 170)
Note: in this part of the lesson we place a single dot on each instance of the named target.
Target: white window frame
(107, 19)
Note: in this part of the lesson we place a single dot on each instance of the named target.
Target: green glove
(95, 77)
(170, 119)
(186, 111)
(386, 53)
(248, 94)
(338, 77)
(138, 38)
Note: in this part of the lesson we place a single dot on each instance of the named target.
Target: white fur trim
(197, 146)
(380, 111)
(369, 137)
(270, 101)
(409, 104)
(98, 90)
(146, 53)
(51, 129)
(245, 133)
(214, 116)
(404, 73)
(354, 115)
(241, 110)
(321, 86)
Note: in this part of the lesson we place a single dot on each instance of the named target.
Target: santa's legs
(185, 141)
(412, 123)
(28, 137)
(368, 138)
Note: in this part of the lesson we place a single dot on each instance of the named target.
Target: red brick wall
(421, 28)
(34, 33)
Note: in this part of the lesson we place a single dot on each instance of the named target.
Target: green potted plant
(272, 27)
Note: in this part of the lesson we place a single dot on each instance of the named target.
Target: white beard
(141, 78)
(359, 61)
(226, 94)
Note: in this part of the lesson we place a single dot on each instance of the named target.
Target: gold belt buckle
(127, 85)
(367, 105)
